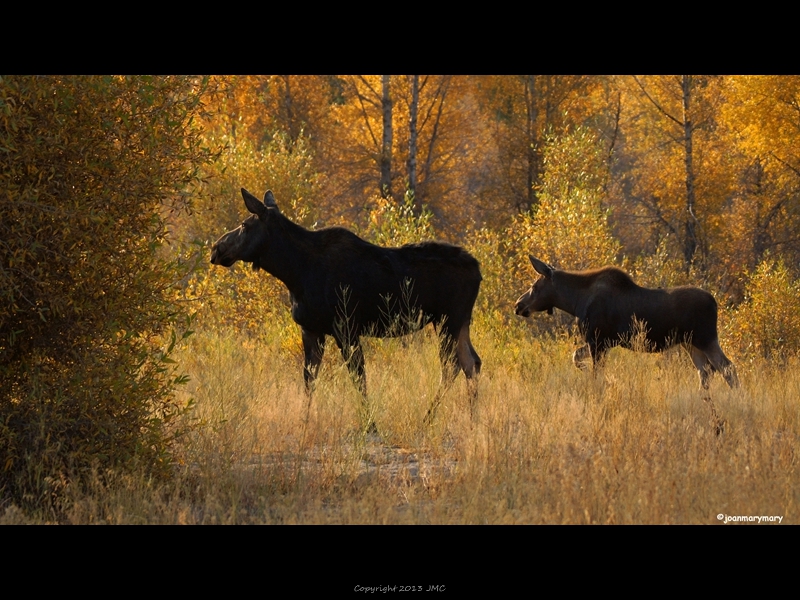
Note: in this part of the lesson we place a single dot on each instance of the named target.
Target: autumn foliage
(113, 189)
(89, 167)
(672, 178)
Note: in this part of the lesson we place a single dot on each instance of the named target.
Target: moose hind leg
(468, 359)
(478, 361)
(721, 363)
(470, 363)
(449, 360)
(701, 362)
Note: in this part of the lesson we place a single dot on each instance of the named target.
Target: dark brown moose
(608, 305)
(345, 287)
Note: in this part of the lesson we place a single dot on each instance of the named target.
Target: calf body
(608, 305)
(345, 287)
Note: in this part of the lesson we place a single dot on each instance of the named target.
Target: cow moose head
(246, 242)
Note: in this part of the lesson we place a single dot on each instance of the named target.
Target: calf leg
(705, 367)
(580, 356)
(721, 363)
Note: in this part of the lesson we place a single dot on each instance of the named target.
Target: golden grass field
(549, 444)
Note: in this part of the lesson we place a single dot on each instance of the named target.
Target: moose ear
(269, 200)
(253, 204)
(541, 268)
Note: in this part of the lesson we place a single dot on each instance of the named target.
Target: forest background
(115, 187)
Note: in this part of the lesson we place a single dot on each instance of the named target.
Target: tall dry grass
(631, 443)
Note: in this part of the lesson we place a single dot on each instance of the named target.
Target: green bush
(767, 323)
(569, 228)
(240, 299)
(393, 224)
(89, 169)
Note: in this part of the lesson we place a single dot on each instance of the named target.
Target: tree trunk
(690, 242)
(412, 137)
(386, 149)
(287, 98)
(532, 115)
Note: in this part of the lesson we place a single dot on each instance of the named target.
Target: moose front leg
(597, 351)
(354, 359)
(313, 349)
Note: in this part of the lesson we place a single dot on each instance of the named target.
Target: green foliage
(569, 229)
(663, 268)
(89, 166)
(393, 224)
(284, 167)
(767, 323)
(238, 298)
(499, 289)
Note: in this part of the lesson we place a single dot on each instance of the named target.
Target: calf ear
(541, 268)
(253, 204)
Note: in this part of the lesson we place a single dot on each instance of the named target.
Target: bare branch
(785, 164)
(366, 121)
(376, 93)
(656, 104)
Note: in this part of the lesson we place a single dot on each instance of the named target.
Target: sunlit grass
(632, 442)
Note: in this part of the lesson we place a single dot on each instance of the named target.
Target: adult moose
(345, 287)
(607, 304)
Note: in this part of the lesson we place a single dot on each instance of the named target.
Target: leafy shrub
(89, 167)
(569, 228)
(663, 269)
(284, 168)
(393, 224)
(767, 323)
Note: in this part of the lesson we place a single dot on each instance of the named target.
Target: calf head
(541, 295)
(247, 241)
